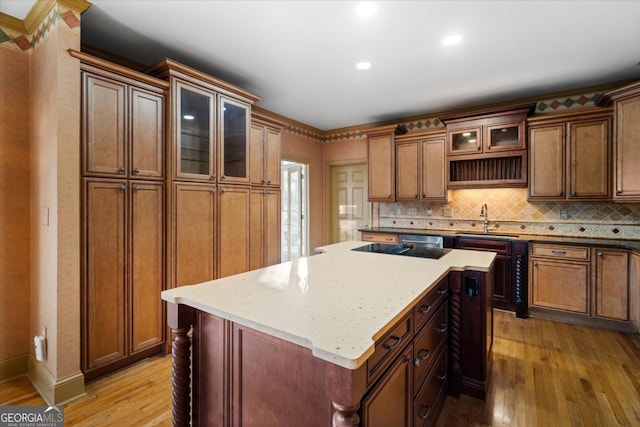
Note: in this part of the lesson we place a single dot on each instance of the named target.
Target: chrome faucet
(484, 212)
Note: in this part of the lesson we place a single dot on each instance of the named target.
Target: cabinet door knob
(121, 169)
(561, 193)
(213, 190)
(600, 254)
(535, 264)
(212, 177)
(268, 181)
(264, 181)
(136, 188)
(223, 190)
(223, 177)
(424, 195)
(136, 171)
(123, 187)
(574, 194)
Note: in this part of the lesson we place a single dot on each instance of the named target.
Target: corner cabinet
(488, 148)
(123, 216)
(420, 167)
(626, 133)
(570, 156)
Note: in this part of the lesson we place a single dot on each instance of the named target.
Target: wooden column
(455, 369)
(181, 319)
(345, 416)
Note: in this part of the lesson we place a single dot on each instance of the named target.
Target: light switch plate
(428, 212)
(447, 212)
(564, 214)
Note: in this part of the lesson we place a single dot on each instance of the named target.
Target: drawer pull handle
(557, 252)
(442, 376)
(388, 239)
(424, 309)
(443, 290)
(442, 328)
(395, 341)
(423, 415)
(423, 354)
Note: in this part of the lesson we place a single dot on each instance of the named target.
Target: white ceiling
(300, 56)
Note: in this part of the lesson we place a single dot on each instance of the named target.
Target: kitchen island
(304, 343)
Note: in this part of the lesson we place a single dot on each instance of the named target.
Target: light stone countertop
(336, 303)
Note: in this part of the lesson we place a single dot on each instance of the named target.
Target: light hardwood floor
(544, 374)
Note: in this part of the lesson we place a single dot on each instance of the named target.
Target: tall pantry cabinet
(123, 206)
(208, 185)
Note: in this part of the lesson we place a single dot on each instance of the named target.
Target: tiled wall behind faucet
(509, 211)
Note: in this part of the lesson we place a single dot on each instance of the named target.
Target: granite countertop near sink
(539, 238)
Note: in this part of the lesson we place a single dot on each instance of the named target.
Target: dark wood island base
(228, 375)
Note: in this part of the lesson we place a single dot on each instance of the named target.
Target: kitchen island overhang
(333, 307)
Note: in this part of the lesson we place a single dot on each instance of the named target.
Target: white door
(349, 205)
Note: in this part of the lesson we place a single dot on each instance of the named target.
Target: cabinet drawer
(380, 237)
(426, 405)
(560, 251)
(427, 344)
(428, 305)
(499, 246)
(387, 347)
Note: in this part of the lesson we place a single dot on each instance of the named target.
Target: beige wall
(308, 150)
(55, 186)
(15, 280)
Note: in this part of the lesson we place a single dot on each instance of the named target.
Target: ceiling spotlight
(364, 65)
(366, 9)
(452, 40)
(188, 117)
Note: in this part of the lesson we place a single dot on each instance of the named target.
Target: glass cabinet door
(508, 136)
(234, 141)
(465, 141)
(195, 154)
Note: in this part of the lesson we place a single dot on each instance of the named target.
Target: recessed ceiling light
(366, 9)
(364, 65)
(188, 117)
(452, 40)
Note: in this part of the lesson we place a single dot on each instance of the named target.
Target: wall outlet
(428, 212)
(564, 214)
(413, 211)
(447, 212)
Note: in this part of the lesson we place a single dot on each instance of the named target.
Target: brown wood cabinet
(123, 216)
(264, 228)
(122, 314)
(381, 164)
(421, 167)
(583, 285)
(123, 130)
(487, 148)
(634, 289)
(233, 230)
(194, 224)
(626, 132)
(611, 283)
(569, 156)
(388, 238)
(264, 153)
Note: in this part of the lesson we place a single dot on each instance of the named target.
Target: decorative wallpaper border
(13, 39)
(547, 106)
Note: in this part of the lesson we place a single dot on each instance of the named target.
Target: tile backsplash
(509, 211)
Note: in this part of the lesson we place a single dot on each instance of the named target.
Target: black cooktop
(414, 251)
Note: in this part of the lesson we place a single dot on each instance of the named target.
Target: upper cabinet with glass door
(487, 132)
(211, 121)
(195, 133)
(234, 141)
